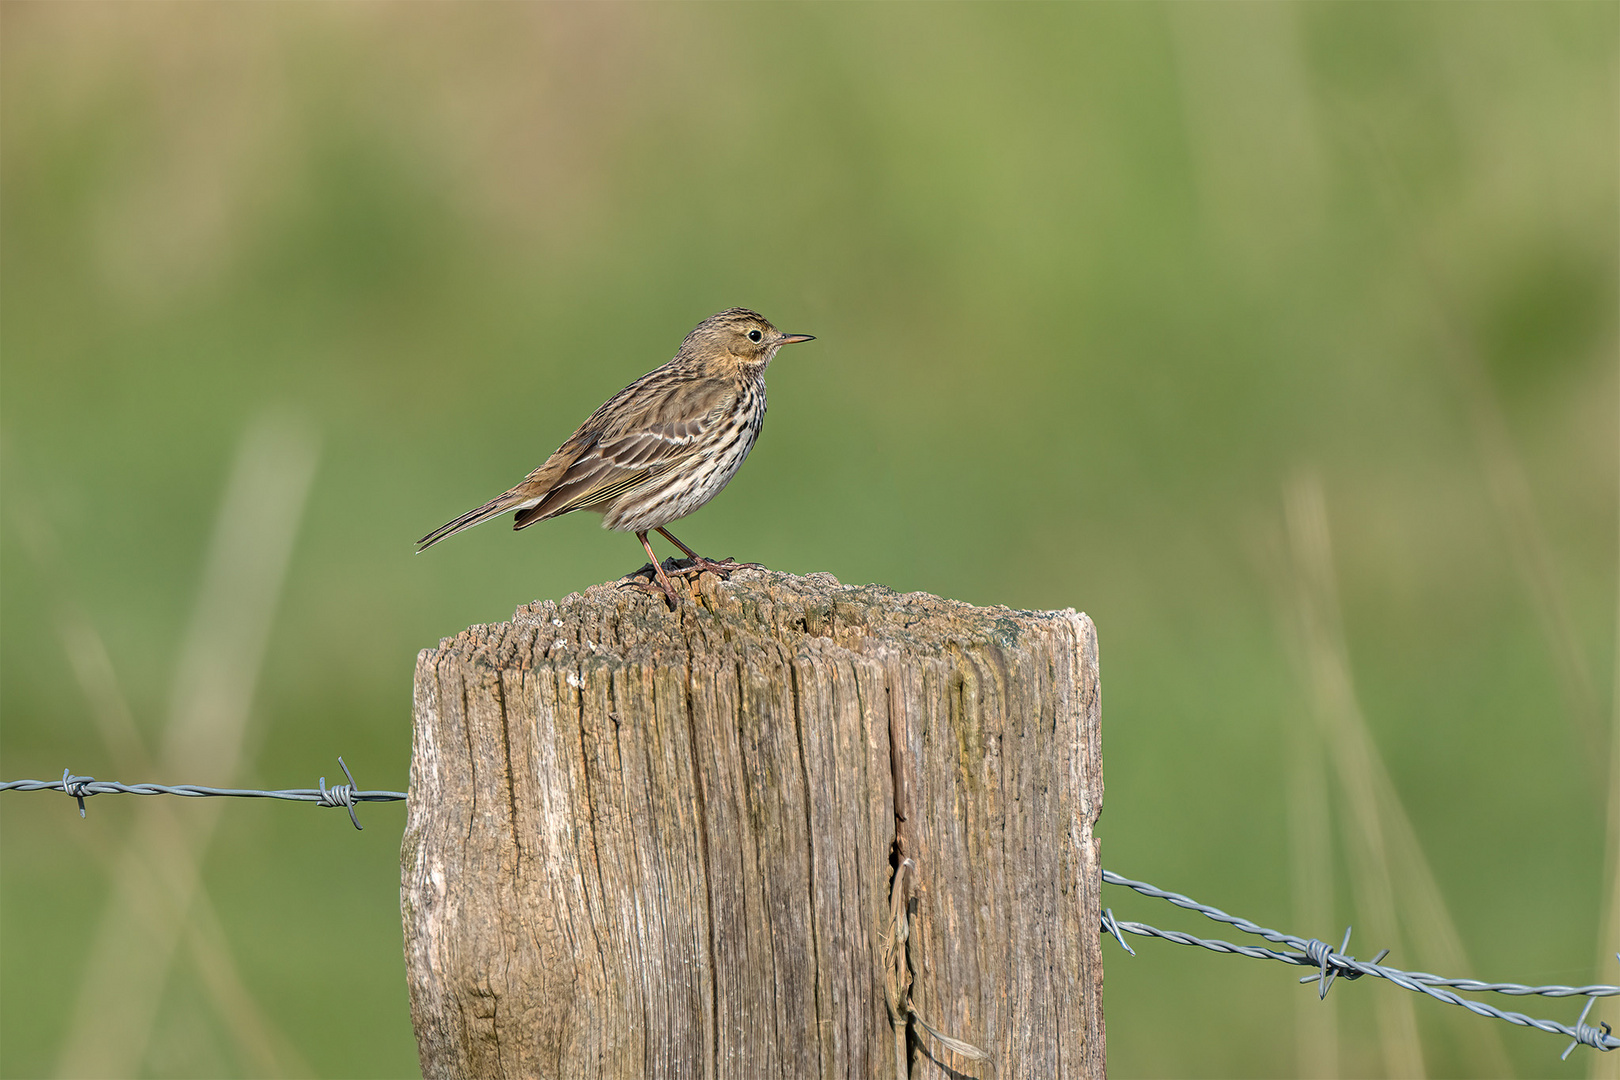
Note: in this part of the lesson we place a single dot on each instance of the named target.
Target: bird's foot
(700, 565)
(655, 580)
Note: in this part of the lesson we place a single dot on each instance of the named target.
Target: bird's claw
(650, 585)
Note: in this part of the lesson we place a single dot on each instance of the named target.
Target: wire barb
(1332, 964)
(1585, 1034)
(341, 794)
(1113, 928)
(76, 787)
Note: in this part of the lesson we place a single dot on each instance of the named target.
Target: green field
(1100, 293)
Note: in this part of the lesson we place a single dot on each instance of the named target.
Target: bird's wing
(647, 429)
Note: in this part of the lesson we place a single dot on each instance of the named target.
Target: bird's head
(736, 336)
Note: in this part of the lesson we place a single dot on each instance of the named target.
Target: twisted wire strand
(80, 788)
(1312, 952)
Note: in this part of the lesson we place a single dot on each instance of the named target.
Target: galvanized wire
(1332, 964)
(82, 787)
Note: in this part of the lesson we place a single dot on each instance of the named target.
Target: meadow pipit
(661, 447)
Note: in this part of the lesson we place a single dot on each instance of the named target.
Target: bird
(658, 449)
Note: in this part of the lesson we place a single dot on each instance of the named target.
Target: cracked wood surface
(644, 843)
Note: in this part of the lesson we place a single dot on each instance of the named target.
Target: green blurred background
(1094, 287)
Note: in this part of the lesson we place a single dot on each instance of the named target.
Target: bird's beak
(794, 339)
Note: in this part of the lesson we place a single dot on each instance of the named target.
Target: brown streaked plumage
(661, 447)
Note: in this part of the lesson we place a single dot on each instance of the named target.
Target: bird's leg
(699, 564)
(663, 579)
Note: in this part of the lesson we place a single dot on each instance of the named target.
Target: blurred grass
(1089, 282)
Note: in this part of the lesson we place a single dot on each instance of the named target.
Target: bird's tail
(497, 506)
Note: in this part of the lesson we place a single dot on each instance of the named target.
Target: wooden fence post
(759, 836)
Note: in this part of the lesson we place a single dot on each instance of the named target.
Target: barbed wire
(1332, 964)
(82, 787)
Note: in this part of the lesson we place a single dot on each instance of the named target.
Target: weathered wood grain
(645, 843)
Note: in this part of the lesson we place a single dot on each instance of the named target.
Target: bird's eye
(755, 335)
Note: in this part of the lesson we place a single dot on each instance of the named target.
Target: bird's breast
(698, 478)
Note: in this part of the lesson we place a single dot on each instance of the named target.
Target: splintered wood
(793, 829)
